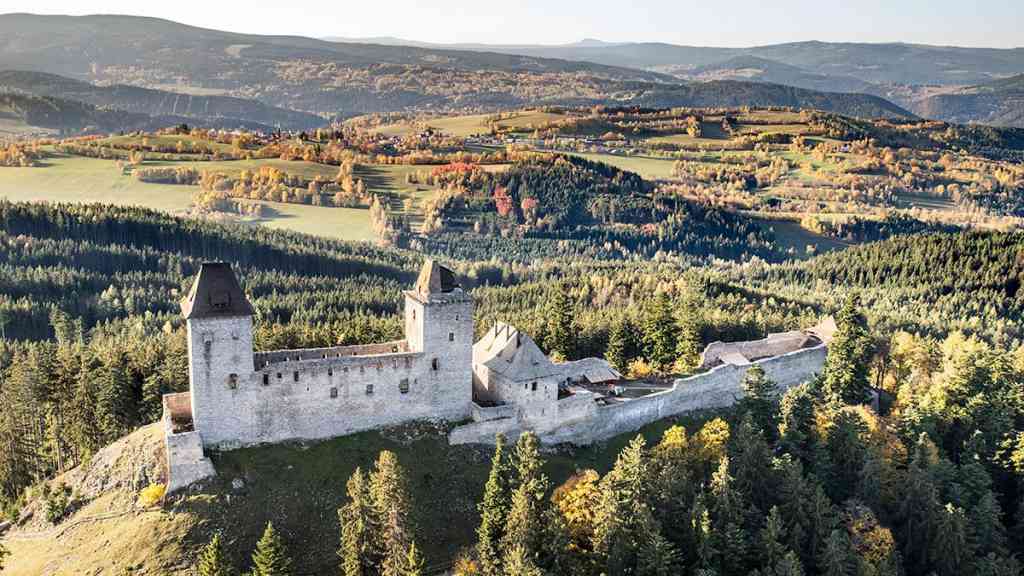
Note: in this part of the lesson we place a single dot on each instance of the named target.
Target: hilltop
(1000, 103)
(342, 78)
(160, 103)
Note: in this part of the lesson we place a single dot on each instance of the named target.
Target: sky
(981, 23)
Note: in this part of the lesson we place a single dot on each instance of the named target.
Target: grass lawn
(163, 140)
(648, 168)
(85, 180)
(789, 234)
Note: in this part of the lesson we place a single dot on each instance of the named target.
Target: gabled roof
(435, 279)
(512, 354)
(215, 293)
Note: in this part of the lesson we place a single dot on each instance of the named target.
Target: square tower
(220, 352)
(439, 325)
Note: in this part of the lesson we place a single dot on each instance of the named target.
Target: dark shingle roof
(435, 279)
(215, 292)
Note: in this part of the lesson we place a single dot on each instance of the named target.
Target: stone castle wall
(241, 398)
(581, 423)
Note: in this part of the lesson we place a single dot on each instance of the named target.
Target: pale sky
(991, 23)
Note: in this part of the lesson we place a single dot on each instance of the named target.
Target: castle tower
(439, 324)
(220, 351)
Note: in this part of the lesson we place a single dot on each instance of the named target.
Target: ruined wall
(716, 388)
(186, 462)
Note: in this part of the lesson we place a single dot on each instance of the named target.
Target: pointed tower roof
(435, 279)
(514, 355)
(215, 293)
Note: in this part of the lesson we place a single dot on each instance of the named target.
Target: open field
(163, 140)
(647, 167)
(473, 124)
(84, 180)
(790, 235)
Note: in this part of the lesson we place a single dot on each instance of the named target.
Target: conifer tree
(952, 548)
(212, 560)
(271, 558)
(797, 426)
(845, 376)
(493, 511)
(627, 537)
(561, 335)
(622, 344)
(689, 345)
(772, 539)
(357, 519)
(836, 556)
(760, 398)
(391, 508)
(660, 333)
(523, 525)
(3, 555)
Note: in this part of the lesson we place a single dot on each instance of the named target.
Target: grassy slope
(77, 179)
(299, 488)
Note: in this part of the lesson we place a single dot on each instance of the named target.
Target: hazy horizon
(743, 23)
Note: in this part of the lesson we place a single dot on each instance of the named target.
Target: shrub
(639, 369)
(58, 503)
(151, 495)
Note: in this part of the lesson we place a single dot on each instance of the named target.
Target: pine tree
(951, 548)
(357, 519)
(493, 511)
(622, 344)
(271, 558)
(836, 556)
(627, 538)
(660, 333)
(772, 539)
(391, 508)
(519, 563)
(760, 398)
(689, 345)
(523, 525)
(845, 376)
(212, 561)
(797, 424)
(561, 335)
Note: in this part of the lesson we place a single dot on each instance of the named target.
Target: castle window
(433, 364)
(266, 379)
(403, 385)
(278, 375)
(456, 317)
(295, 376)
(413, 314)
(408, 363)
(233, 381)
(533, 387)
(369, 389)
(451, 336)
(330, 372)
(334, 392)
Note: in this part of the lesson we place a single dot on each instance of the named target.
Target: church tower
(220, 351)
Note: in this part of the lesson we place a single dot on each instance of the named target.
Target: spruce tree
(561, 335)
(391, 508)
(797, 426)
(760, 399)
(523, 525)
(771, 541)
(846, 372)
(622, 341)
(493, 511)
(689, 344)
(627, 538)
(271, 557)
(837, 558)
(357, 519)
(212, 560)
(660, 333)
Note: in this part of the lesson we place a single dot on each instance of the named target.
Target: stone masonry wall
(719, 387)
(301, 395)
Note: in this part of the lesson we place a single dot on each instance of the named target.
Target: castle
(502, 383)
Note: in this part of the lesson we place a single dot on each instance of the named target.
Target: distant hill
(736, 93)
(344, 78)
(156, 102)
(1000, 103)
(71, 118)
(885, 63)
(764, 70)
